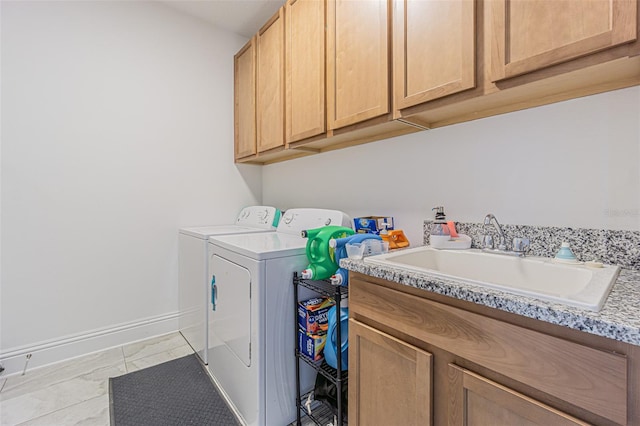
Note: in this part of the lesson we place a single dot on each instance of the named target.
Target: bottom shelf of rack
(320, 413)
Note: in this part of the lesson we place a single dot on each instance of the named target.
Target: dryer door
(231, 311)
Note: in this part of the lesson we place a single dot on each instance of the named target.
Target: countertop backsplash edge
(613, 247)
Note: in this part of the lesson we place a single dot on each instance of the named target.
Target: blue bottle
(332, 347)
(341, 276)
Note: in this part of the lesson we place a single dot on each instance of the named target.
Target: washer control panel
(259, 217)
(295, 221)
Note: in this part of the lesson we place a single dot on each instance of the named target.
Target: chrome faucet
(487, 221)
(520, 245)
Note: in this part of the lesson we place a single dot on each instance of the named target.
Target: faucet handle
(487, 241)
(521, 245)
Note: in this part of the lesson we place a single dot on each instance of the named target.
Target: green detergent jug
(322, 261)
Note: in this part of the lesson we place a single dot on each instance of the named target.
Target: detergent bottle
(397, 239)
(322, 262)
(394, 237)
(334, 348)
(341, 276)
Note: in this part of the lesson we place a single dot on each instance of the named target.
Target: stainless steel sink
(571, 284)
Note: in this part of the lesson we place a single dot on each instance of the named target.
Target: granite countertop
(619, 318)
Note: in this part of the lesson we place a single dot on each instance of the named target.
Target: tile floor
(76, 392)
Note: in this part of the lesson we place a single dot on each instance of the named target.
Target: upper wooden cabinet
(357, 61)
(529, 35)
(270, 84)
(339, 73)
(244, 76)
(433, 49)
(305, 76)
(527, 53)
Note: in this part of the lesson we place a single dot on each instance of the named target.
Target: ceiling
(244, 17)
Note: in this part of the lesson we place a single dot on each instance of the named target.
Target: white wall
(117, 129)
(570, 164)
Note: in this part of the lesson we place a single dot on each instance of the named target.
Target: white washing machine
(193, 270)
(252, 349)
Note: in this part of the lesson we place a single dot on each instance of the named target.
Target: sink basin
(539, 277)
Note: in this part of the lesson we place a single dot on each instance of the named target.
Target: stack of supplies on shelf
(313, 326)
(372, 224)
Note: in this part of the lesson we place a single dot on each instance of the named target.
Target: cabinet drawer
(478, 400)
(588, 378)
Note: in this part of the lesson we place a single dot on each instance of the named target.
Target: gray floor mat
(175, 393)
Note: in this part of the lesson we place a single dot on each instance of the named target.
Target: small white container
(355, 250)
(373, 247)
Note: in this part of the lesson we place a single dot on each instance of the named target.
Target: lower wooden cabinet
(476, 400)
(414, 360)
(390, 381)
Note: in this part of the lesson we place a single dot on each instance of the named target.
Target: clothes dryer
(252, 349)
(193, 271)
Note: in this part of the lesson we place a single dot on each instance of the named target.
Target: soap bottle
(440, 228)
(439, 235)
(443, 234)
(565, 254)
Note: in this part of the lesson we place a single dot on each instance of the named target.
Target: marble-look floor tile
(57, 396)
(158, 358)
(153, 346)
(40, 378)
(94, 412)
(75, 392)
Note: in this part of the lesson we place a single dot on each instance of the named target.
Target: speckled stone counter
(619, 318)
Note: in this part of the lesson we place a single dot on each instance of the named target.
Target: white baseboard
(52, 351)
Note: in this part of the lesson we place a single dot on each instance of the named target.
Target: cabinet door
(244, 74)
(357, 61)
(305, 76)
(434, 49)
(528, 35)
(270, 86)
(390, 381)
(475, 400)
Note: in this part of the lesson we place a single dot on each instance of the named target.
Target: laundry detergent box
(312, 314)
(372, 224)
(311, 345)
